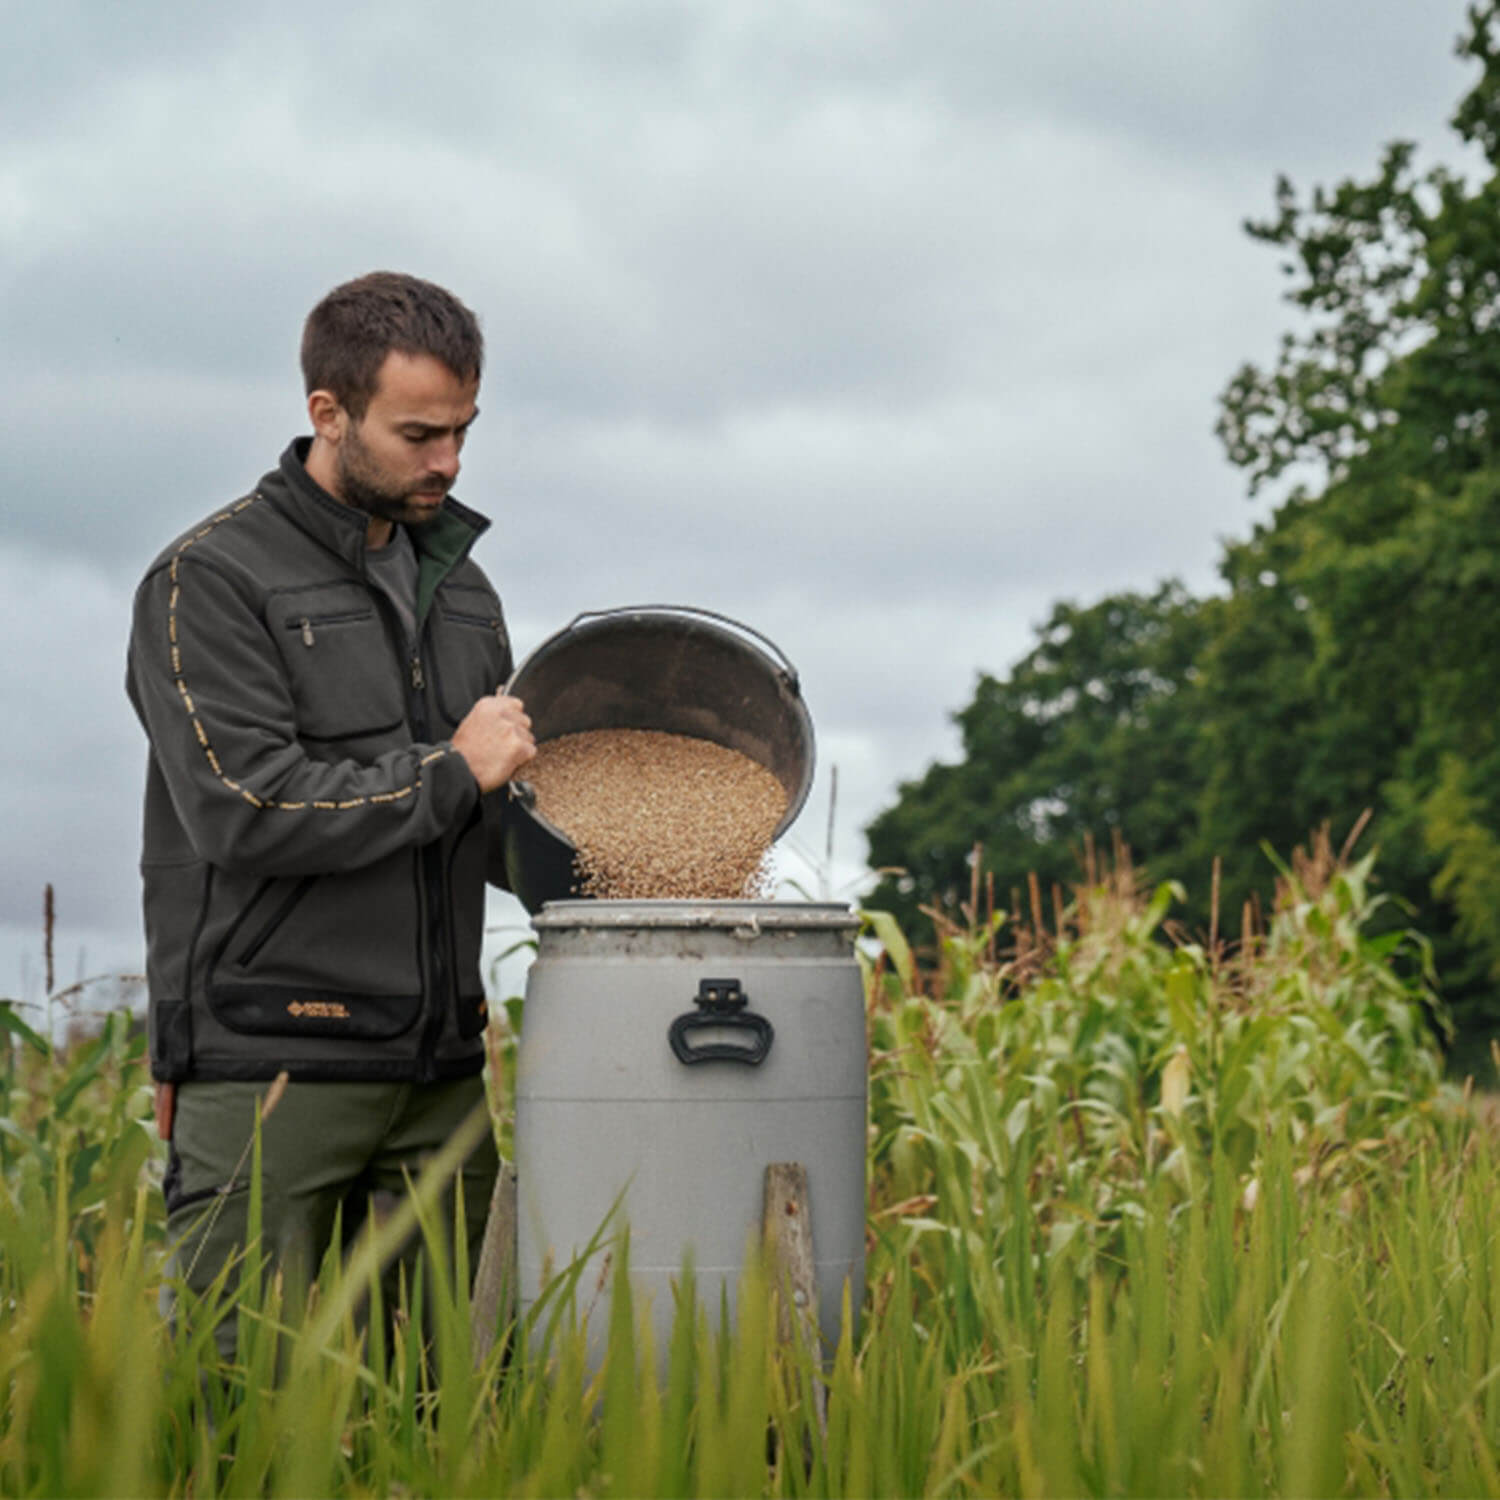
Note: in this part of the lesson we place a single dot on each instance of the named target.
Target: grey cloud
(1236, 79)
(108, 467)
(65, 60)
(71, 760)
(1232, 78)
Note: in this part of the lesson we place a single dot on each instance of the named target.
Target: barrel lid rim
(733, 915)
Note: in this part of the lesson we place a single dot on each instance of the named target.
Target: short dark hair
(349, 333)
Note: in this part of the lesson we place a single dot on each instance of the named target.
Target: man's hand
(166, 1107)
(495, 739)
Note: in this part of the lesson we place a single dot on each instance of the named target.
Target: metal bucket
(652, 666)
(670, 1052)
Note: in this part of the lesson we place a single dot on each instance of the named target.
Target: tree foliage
(1089, 733)
(1353, 659)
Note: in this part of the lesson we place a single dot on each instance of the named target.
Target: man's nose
(442, 458)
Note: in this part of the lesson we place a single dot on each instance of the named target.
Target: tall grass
(1144, 1218)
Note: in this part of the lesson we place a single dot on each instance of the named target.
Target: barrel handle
(721, 1007)
(793, 681)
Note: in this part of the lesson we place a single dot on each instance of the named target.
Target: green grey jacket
(314, 852)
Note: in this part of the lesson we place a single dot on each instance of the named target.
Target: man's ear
(329, 419)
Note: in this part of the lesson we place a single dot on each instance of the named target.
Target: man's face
(398, 461)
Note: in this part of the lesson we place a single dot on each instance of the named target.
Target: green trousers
(331, 1154)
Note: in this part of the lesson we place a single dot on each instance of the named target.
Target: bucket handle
(692, 609)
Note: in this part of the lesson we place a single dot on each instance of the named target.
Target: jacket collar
(445, 540)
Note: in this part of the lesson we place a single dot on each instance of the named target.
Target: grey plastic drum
(608, 1108)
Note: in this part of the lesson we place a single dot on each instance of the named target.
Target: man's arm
(211, 690)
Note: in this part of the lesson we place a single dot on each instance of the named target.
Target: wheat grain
(659, 816)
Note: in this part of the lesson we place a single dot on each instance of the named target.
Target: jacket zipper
(435, 927)
(430, 921)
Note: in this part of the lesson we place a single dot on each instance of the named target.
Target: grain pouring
(656, 815)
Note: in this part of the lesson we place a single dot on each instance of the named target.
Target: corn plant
(1144, 1217)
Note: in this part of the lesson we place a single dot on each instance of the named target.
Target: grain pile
(659, 816)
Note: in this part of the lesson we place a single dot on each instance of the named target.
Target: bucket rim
(590, 623)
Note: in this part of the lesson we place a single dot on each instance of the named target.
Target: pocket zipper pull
(307, 635)
(418, 681)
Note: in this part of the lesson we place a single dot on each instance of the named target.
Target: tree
(1398, 366)
(1090, 733)
(1353, 661)
(1387, 397)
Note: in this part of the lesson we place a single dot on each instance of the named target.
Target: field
(1146, 1217)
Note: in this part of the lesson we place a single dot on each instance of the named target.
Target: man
(318, 668)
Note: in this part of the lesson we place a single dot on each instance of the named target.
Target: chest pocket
(470, 650)
(345, 678)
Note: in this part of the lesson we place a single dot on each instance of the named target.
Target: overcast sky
(879, 326)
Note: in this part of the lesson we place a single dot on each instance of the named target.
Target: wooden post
(786, 1220)
(494, 1296)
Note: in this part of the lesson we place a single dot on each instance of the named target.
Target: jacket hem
(332, 1070)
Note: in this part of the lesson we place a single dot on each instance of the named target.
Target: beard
(365, 485)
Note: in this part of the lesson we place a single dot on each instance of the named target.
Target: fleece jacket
(314, 850)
